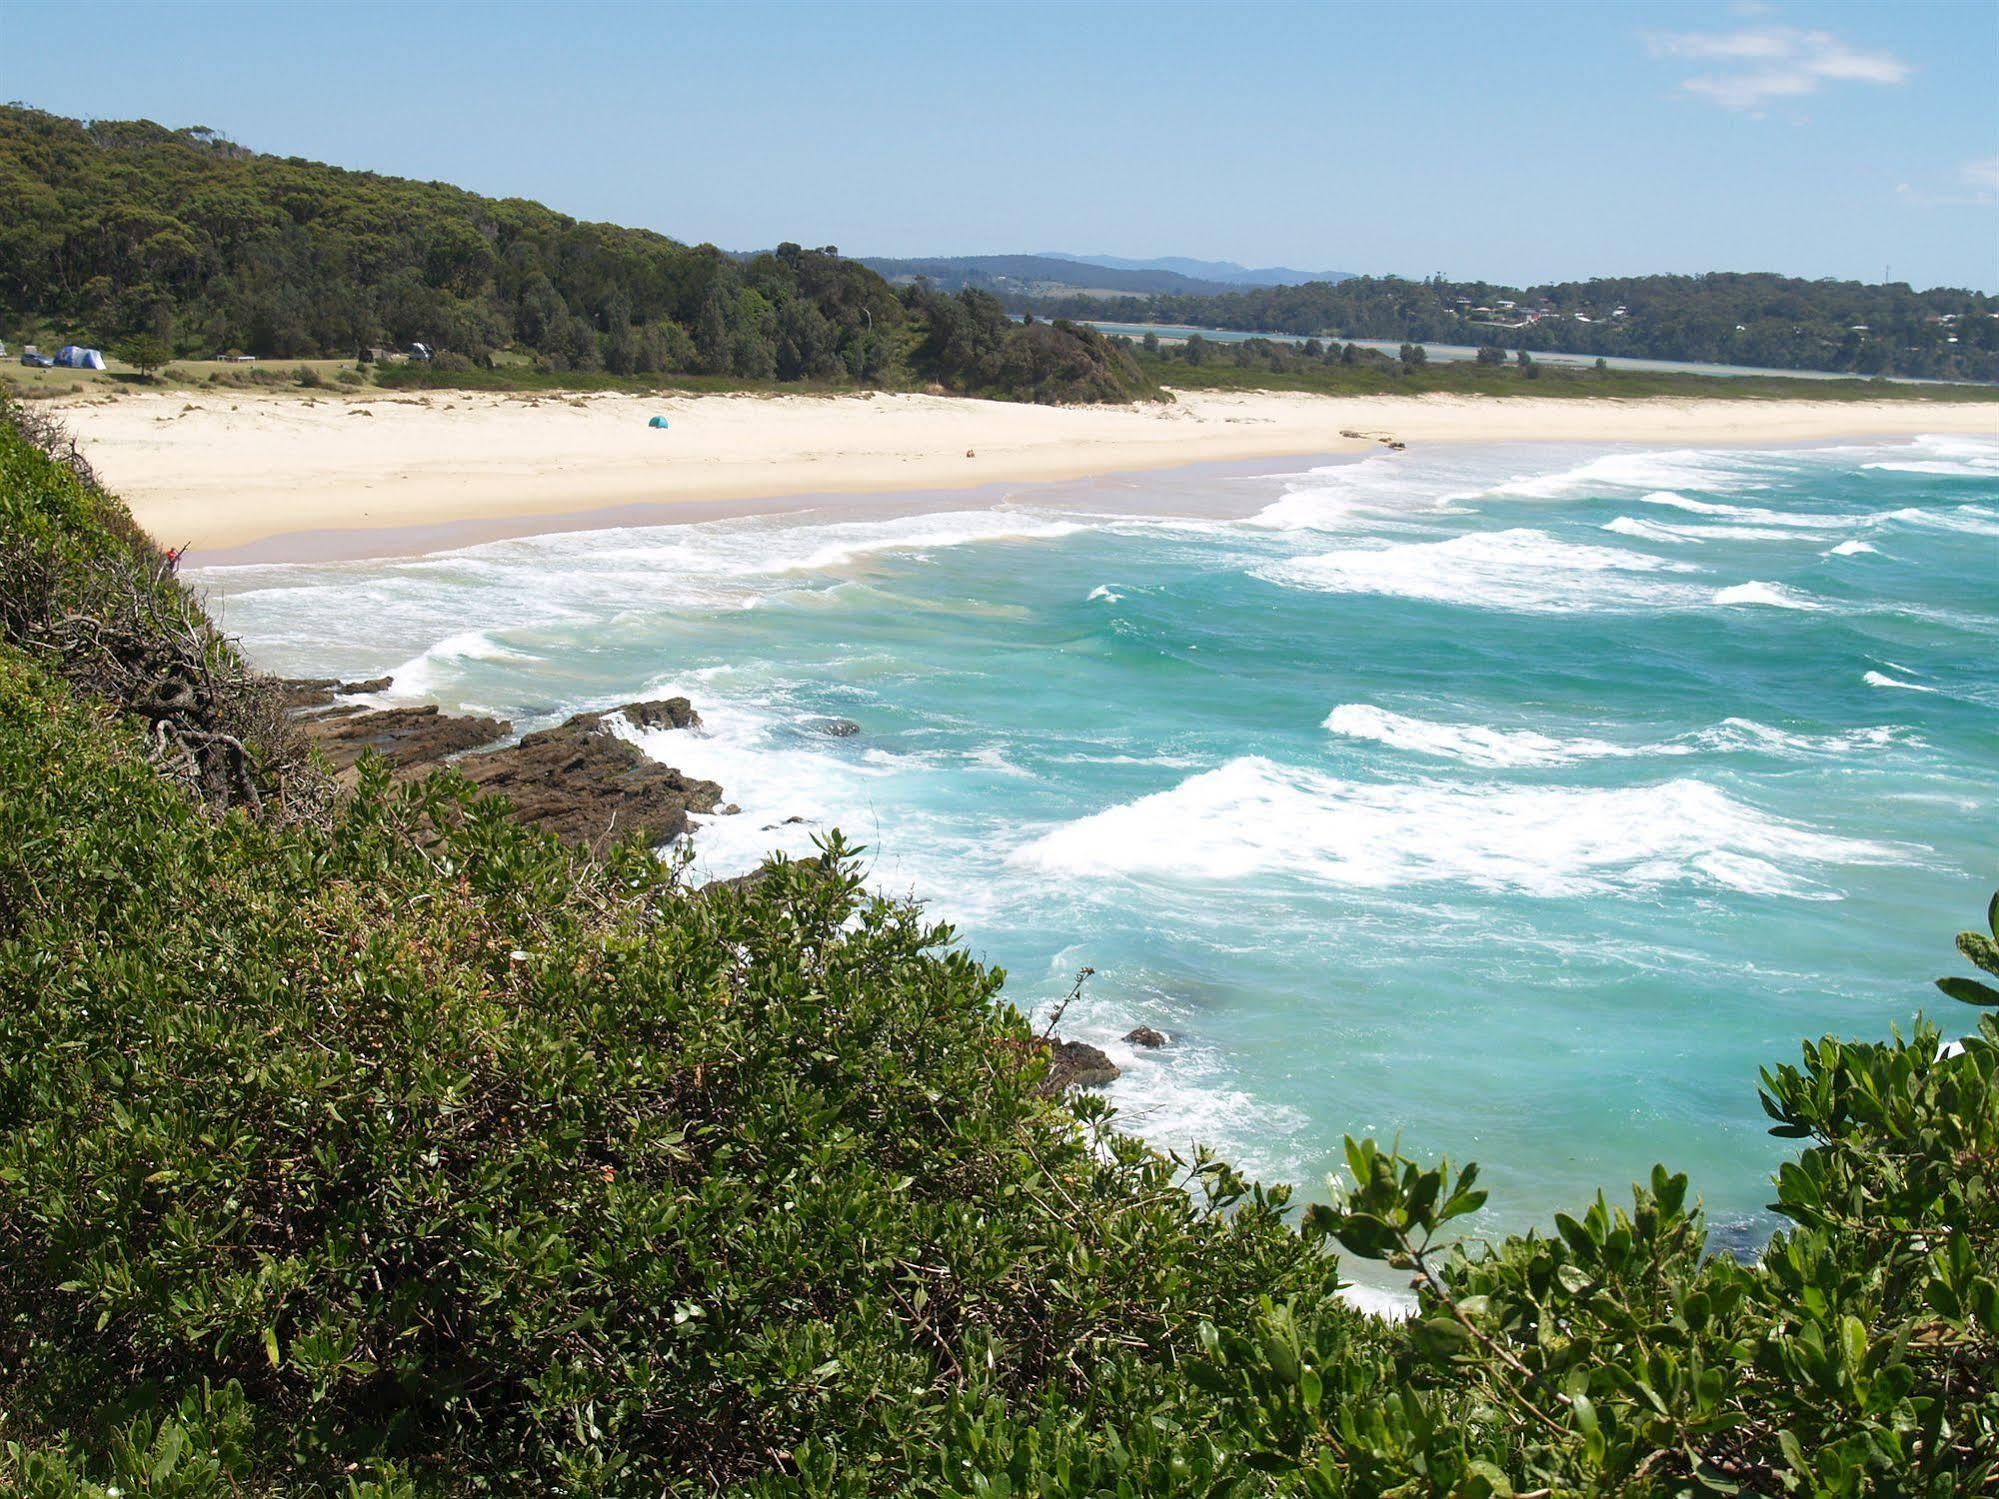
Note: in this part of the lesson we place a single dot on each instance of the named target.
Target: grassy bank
(380, 1146)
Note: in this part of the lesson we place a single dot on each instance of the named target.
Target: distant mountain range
(1222, 272)
(1099, 275)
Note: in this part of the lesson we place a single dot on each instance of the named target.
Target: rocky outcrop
(581, 780)
(588, 786)
(661, 713)
(1144, 1035)
(1076, 1064)
(300, 694)
(839, 728)
(309, 694)
(405, 737)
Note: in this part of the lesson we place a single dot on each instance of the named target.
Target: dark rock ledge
(582, 781)
(1076, 1064)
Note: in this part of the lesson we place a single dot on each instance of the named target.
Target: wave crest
(1253, 817)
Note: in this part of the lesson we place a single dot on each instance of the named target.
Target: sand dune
(220, 471)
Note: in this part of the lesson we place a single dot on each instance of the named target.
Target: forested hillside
(110, 229)
(1038, 275)
(1776, 322)
(378, 1146)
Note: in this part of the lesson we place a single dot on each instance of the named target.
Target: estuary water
(1517, 801)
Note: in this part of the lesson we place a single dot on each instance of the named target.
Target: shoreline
(239, 477)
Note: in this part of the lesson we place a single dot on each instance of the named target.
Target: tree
(1490, 354)
(145, 352)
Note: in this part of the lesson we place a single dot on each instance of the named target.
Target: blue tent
(659, 422)
(75, 357)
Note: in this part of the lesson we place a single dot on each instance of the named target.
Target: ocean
(1518, 802)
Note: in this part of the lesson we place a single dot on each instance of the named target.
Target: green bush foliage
(400, 1150)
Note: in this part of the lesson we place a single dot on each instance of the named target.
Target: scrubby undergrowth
(397, 1149)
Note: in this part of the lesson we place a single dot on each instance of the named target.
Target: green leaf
(1970, 991)
(1853, 1341)
(271, 1346)
(172, 1442)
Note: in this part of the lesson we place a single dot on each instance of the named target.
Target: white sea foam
(1473, 744)
(1105, 592)
(1945, 456)
(1674, 469)
(1492, 748)
(1521, 570)
(1646, 530)
(427, 673)
(1771, 595)
(772, 765)
(1854, 548)
(1974, 520)
(1753, 520)
(1882, 679)
(1383, 492)
(1251, 817)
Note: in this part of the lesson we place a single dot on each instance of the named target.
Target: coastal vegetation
(1331, 368)
(1765, 321)
(375, 1143)
(182, 244)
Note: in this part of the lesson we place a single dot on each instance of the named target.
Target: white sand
(222, 470)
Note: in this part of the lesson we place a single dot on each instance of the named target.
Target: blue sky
(1512, 141)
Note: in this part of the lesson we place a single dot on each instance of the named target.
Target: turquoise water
(1519, 801)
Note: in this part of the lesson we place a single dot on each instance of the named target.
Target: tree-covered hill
(1038, 275)
(378, 1146)
(1776, 322)
(114, 229)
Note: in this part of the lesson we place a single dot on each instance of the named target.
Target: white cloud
(1978, 188)
(1761, 63)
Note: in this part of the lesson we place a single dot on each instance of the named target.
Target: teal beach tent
(659, 422)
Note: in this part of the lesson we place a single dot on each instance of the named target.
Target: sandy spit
(220, 471)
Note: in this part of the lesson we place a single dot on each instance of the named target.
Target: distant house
(420, 352)
(76, 357)
(1584, 317)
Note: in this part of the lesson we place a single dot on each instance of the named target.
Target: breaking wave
(1522, 570)
(1253, 817)
(1495, 749)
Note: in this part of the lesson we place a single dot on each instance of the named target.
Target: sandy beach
(221, 471)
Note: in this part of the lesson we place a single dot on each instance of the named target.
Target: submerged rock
(405, 737)
(840, 728)
(1076, 1064)
(1144, 1035)
(661, 713)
